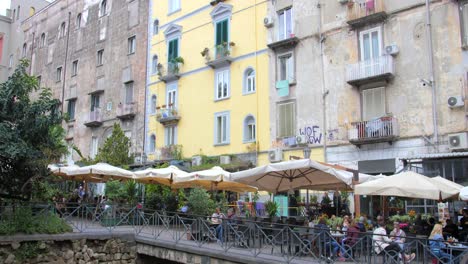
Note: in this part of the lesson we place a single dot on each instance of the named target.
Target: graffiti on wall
(313, 134)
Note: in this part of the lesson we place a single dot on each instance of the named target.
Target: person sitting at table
(325, 237)
(384, 244)
(216, 219)
(345, 223)
(352, 236)
(464, 225)
(450, 229)
(436, 242)
(398, 235)
(361, 225)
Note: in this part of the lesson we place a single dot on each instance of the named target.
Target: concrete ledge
(128, 236)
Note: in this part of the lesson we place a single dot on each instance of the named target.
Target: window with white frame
(174, 5)
(154, 64)
(42, 42)
(103, 8)
(155, 27)
(170, 135)
(58, 76)
(171, 96)
(370, 43)
(131, 45)
(94, 147)
(71, 109)
(153, 104)
(373, 103)
(249, 129)
(286, 116)
(222, 128)
(285, 20)
(25, 50)
(222, 85)
(286, 67)
(249, 81)
(74, 68)
(464, 22)
(152, 144)
(100, 57)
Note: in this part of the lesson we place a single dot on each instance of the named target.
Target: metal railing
(167, 113)
(169, 69)
(260, 239)
(379, 128)
(363, 8)
(370, 68)
(95, 115)
(126, 109)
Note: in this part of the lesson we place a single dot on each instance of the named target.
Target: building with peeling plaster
(353, 78)
(92, 54)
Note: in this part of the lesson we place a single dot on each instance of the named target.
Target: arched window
(154, 64)
(155, 27)
(62, 30)
(152, 144)
(43, 40)
(32, 11)
(153, 104)
(78, 21)
(102, 8)
(250, 133)
(249, 81)
(25, 49)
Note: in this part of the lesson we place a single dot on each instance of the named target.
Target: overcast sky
(4, 5)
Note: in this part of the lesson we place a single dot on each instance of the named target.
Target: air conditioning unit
(268, 22)
(458, 141)
(455, 101)
(275, 155)
(301, 139)
(196, 160)
(224, 159)
(392, 49)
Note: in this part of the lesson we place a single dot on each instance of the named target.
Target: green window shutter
(225, 30)
(222, 32)
(219, 31)
(173, 49)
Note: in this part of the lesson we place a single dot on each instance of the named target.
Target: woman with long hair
(436, 242)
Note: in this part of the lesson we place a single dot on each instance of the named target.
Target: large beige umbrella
(406, 184)
(163, 176)
(447, 185)
(295, 174)
(62, 171)
(213, 179)
(100, 172)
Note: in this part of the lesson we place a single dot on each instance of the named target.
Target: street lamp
(307, 152)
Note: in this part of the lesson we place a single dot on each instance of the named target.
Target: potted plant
(159, 67)
(200, 205)
(174, 112)
(272, 209)
(176, 62)
(206, 53)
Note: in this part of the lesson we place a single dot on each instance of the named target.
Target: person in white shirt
(383, 243)
(398, 235)
(216, 219)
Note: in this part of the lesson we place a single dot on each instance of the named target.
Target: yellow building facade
(208, 79)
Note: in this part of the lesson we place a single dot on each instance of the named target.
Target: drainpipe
(324, 91)
(65, 63)
(431, 71)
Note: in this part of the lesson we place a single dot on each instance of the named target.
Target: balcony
(286, 43)
(219, 56)
(168, 116)
(169, 72)
(94, 119)
(383, 129)
(364, 12)
(380, 69)
(126, 111)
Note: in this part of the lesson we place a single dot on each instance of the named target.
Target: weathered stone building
(11, 34)
(359, 82)
(92, 54)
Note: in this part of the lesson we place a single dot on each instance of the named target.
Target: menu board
(443, 211)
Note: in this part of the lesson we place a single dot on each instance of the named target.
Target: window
(152, 144)
(171, 98)
(249, 129)
(222, 127)
(464, 23)
(62, 30)
(131, 45)
(286, 119)
(100, 55)
(222, 84)
(10, 61)
(95, 101)
(43, 40)
(74, 68)
(153, 104)
(58, 77)
(71, 109)
(155, 27)
(286, 67)
(103, 8)
(39, 80)
(129, 93)
(222, 36)
(174, 5)
(24, 51)
(14, 15)
(78, 21)
(94, 147)
(154, 64)
(373, 103)
(370, 42)
(18, 13)
(170, 134)
(249, 81)
(285, 24)
(173, 50)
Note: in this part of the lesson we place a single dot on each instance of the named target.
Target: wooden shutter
(286, 119)
(373, 103)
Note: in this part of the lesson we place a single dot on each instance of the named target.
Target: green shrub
(22, 220)
(28, 250)
(200, 203)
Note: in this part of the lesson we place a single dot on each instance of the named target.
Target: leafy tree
(31, 135)
(116, 148)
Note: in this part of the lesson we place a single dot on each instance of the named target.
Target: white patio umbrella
(212, 179)
(61, 171)
(100, 172)
(163, 176)
(447, 185)
(406, 184)
(295, 174)
(464, 194)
